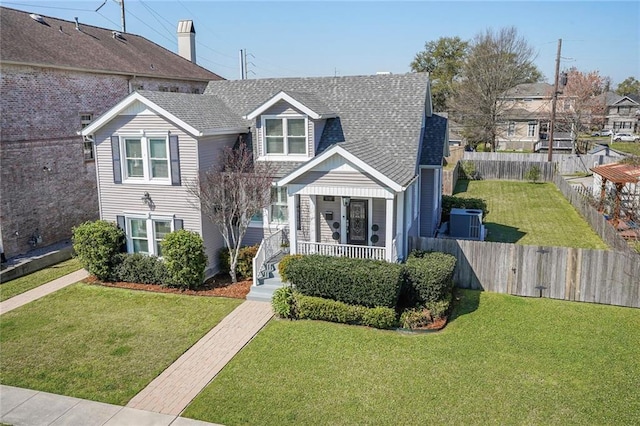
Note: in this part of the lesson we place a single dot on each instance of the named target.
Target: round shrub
(284, 263)
(244, 267)
(284, 303)
(184, 256)
(96, 245)
(428, 277)
(141, 268)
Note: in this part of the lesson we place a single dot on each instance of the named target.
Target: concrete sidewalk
(30, 408)
(41, 291)
(178, 385)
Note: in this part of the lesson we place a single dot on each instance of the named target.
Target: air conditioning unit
(466, 224)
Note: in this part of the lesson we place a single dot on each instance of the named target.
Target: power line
(48, 7)
(173, 41)
(153, 14)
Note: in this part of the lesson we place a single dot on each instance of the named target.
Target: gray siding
(325, 226)
(379, 217)
(304, 234)
(426, 202)
(253, 236)
(213, 242)
(338, 178)
(210, 149)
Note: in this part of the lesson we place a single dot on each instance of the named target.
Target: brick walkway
(178, 385)
(41, 291)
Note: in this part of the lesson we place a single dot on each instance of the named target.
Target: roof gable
(57, 43)
(198, 115)
(308, 103)
(625, 100)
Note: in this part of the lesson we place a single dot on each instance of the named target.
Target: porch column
(293, 226)
(400, 225)
(388, 242)
(313, 223)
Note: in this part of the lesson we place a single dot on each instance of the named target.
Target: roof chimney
(187, 40)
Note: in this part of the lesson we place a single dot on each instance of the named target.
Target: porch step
(266, 286)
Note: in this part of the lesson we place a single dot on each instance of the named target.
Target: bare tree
(497, 62)
(581, 103)
(231, 193)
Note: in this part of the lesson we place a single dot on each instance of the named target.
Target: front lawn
(36, 279)
(100, 343)
(530, 214)
(502, 360)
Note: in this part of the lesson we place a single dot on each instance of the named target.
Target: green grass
(503, 360)
(100, 343)
(530, 214)
(628, 147)
(36, 279)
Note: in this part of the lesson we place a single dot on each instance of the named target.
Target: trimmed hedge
(283, 303)
(428, 277)
(140, 268)
(317, 308)
(452, 202)
(363, 282)
(244, 268)
(184, 257)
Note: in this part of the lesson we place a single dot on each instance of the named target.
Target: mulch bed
(218, 286)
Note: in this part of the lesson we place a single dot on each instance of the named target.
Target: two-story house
(56, 76)
(623, 113)
(359, 160)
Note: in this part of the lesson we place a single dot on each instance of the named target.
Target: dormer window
(285, 135)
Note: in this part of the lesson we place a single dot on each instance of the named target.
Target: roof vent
(117, 35)
(77, 24)
(37, 18)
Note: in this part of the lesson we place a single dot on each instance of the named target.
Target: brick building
(55, 77)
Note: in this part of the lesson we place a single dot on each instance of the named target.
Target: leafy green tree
(497, 62)
(443, 60)
(629, 86)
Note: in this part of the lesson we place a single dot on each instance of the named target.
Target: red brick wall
(45, 184)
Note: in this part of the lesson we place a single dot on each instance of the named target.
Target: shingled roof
(201, 112)
(57, 43)
(379, 117)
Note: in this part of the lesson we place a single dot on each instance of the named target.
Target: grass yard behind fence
(628, 147)
(530, 214)
(100, 343)
(502, 360)
(36, 279)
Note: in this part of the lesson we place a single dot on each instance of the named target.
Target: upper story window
(146, 158)
(284, 135)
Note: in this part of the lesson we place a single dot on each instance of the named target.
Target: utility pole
(122, 22)
(554, 101)
(242, 57)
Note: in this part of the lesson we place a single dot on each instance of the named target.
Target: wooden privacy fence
(583, 275)
(511, 170)
(565, 163)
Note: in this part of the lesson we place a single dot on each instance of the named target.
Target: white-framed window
(87, 143)
(531, 130)
(278, 210)
(284, 135)
(511, 128)
(145, 158)
(144, 234)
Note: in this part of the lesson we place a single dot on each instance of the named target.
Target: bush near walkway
(96, 245)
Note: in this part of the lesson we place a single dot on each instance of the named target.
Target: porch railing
(270, 246)
(346, 250)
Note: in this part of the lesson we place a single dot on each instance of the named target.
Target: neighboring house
(605, 150)
(56, 77)
(525, 120)
(623, 113)
(359, 159)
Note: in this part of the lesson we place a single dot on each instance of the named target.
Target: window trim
(531, 129)
(284, 156)
(284, 203)
(145, 138)
(149, 219)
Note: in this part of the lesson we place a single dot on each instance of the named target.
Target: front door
(357, 229)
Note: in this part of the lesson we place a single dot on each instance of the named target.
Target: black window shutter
(115, 153)
(174, 155)
(178, 224)
(121, 223)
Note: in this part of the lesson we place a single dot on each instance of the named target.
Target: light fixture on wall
(146, 199)
(346, 201)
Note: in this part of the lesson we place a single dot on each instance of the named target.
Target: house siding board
(379, 216)
(253, 236)
(213, 243)
(426, 201)
(304, 234)
(125, 197)
(337, 179)
(326, 226)
(210, 150)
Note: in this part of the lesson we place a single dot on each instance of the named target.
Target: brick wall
(46, 186)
